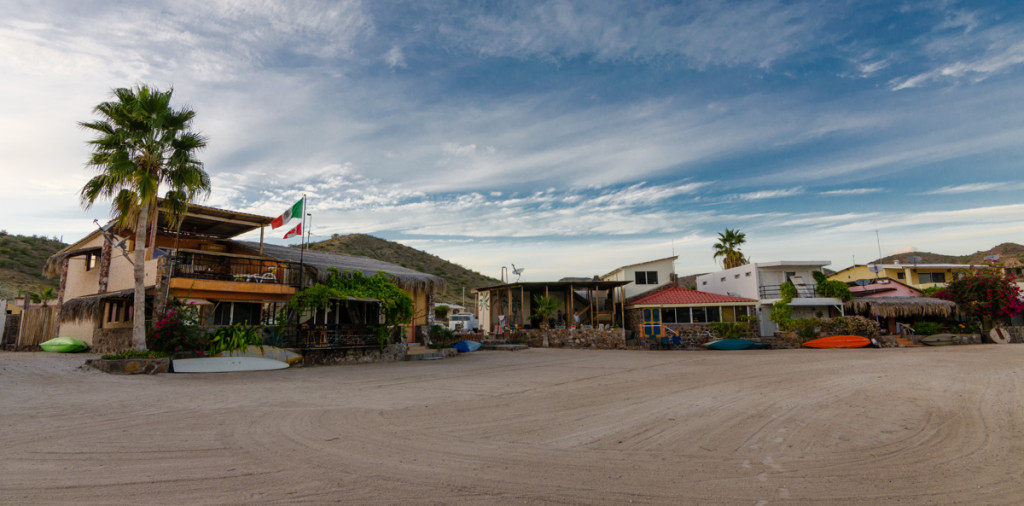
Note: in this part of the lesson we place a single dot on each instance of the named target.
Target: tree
(140, 143)
(43, 297)
(441, 312)
(985, 294)
(544, 308)
(727, 248)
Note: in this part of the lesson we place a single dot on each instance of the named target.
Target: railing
(230, 268)
(335, 336)
(807, 290)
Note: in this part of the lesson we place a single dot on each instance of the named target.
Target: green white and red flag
(294, 212)
(295, 232)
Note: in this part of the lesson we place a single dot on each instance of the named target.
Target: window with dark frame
(646, 277)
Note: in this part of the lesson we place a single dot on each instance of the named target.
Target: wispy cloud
(975, 187)
(852, 191)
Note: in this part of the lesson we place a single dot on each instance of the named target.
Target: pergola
(595, 301)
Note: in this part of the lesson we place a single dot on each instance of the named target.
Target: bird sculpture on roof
(517, 271)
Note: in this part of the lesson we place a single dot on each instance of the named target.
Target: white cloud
(394, 57)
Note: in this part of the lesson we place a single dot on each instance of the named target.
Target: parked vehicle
(465, 322)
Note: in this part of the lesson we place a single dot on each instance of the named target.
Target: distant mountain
(1006, 251)
(21, 264)
(457, 276)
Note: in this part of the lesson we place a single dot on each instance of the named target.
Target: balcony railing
(808, 290)
(232, 268)
(335, 336)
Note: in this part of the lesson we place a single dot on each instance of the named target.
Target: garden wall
(606, 339)
(332, 356)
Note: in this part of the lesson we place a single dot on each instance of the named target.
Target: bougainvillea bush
(985, 295)
(176, 330)
(850, 325)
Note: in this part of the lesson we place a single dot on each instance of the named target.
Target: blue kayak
(466, 346)
(732, 344)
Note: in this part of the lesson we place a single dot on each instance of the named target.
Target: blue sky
(567, 137)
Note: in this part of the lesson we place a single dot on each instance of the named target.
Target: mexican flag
(294, 212)
(295, 232)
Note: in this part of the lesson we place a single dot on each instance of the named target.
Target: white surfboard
(226, 364)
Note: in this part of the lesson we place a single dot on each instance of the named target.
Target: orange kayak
(838, 342)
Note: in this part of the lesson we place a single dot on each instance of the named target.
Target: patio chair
(677, 342)
(270, 275)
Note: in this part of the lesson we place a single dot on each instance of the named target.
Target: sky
(568, 138)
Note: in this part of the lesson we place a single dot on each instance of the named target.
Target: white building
(762, 281)
(645, 276)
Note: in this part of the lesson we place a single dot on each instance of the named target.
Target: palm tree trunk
(139, 314)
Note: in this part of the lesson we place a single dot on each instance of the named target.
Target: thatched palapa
(89, 307)
(895, 307)
(319, 261)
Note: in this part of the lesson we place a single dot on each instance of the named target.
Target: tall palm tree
(728, 246)
(140, 143)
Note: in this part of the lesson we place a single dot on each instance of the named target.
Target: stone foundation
(391, 353)
(109, 341)
(132, 365)
(605, 339)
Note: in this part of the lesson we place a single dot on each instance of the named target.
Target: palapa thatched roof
(886, 307)
(89, 307)
(319, 261)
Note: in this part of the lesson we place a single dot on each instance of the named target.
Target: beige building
(232, 281)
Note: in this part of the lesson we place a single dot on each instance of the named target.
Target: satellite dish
(914, 260)
(875, 268)
(862, 282)
(992, 258)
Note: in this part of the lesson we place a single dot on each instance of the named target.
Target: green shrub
(806, 328)
(442, 337)
(926, 328)
(236, 337)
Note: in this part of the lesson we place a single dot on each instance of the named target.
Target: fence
(38, 325)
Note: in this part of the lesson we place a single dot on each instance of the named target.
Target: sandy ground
(908, 426)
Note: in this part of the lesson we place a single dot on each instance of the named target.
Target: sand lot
(908, 426)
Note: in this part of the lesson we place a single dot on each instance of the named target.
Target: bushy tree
(984, 294)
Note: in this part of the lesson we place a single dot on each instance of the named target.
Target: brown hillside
(457, 276)
(1005, 251)
(21, 264)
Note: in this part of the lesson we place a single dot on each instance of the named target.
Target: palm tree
(727, 247)
(141, 143)
(43, 297)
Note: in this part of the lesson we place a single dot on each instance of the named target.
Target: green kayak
(64, 345)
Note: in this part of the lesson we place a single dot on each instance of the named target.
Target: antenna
(914, 260)
(879, 242)
(862, 282)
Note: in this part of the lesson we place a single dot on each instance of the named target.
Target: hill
(1006, 251)
(457, 276)
(21, 264)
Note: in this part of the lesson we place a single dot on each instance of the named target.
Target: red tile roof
(675, 295)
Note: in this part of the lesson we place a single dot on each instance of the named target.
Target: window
(901, 275)
(668, 315)
(92, 260)
(747, 274)
(646, 277)
(230, 313)
(699, 315)
(712, 313)
(117, 311)
(932, 277)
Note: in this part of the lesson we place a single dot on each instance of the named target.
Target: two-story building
(762, 281)
(201, 263)
(644, 277)
(919, 276)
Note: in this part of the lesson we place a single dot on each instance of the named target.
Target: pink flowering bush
(985, 295)
(175, 329)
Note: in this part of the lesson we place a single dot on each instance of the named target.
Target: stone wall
(111, 340)
(391, 353)
(606, 339)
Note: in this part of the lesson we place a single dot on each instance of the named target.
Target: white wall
(664, 267)
(740, 281)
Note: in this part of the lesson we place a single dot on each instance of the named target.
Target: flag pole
(302, 270)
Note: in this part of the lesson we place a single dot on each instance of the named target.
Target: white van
(466, 322)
